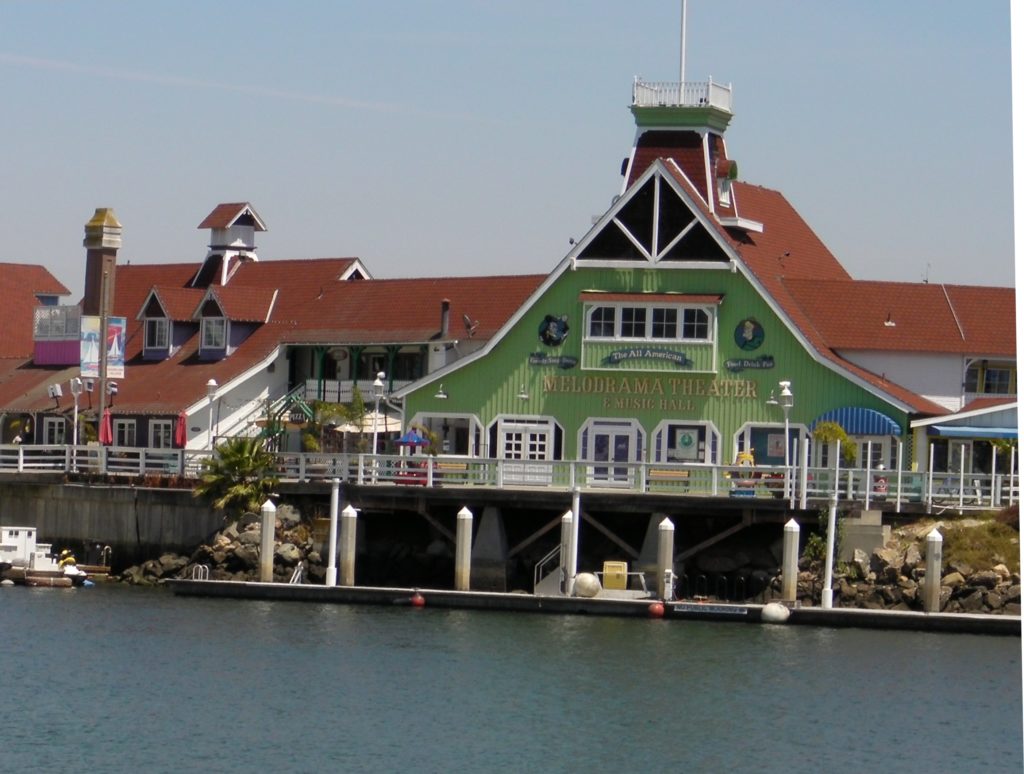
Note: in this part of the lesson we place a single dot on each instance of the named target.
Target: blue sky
(475, 137)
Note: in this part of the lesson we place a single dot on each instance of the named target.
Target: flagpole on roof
(682, 45)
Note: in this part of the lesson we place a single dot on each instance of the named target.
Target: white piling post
(933, 571)
(830, 550)
(804, 452)
(332, 556)
(666, 550)
(1013, 461)
(992, 481)
(961, 506)
(574, 545)
(463, 548)
(931, 471)
(899, 476)
(867, 476)
(268, 513)
(790, 549)
(348, 546)
(564, 549)
(839, 450)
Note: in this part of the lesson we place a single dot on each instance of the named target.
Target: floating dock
(681, 610)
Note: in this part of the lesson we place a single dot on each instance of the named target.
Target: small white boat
(23, 560)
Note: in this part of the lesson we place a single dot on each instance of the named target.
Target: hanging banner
(116, 327)
(89, 347)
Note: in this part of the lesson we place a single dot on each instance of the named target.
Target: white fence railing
(872, 488)
(688, 94)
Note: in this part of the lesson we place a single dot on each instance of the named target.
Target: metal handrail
(538, 569)
(954, 489)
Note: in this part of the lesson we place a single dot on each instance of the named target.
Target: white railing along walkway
(873, 488)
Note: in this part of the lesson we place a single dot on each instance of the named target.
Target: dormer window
(157, 333)
(214, 333)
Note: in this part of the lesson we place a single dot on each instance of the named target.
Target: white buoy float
(774, 612)
(587, 585)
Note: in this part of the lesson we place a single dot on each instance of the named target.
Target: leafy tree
(239, 476)
(830, 432)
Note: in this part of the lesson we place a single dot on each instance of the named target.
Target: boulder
(973, 602)
(994, 600)
(883, 558)
(245, 557)
(1002, 571)
(250, 537)
(953, 580)
(862, 563)
(287, 554)
(288, 516)
(912, 557)
(986, 578)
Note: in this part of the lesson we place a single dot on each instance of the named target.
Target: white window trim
(709, 430)
(208, 325)
(58, 425)
(747, 427)
(161, 324)
(681, 308)
(124, 426)
(154, 425)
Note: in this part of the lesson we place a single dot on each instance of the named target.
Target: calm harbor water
(126, 679)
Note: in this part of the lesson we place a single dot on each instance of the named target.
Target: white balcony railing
(689, 94)
(869, 488)
(340, 391)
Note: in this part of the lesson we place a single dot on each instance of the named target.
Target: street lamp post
(76, 390)
(211, 392)
(785, 401)
(378, 393)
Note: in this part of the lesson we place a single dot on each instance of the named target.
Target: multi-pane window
(990, 378)
(214, 333)
(157, 333)
(634, 322)
(160, 434)
(662, 323)
(54, 430)
(696, 324)
(124, 432)
(602, 322)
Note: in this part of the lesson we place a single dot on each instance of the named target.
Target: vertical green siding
(651, 391)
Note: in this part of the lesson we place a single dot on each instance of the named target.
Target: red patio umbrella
(181, 430)
(106, 429)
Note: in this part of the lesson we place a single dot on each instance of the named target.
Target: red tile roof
(20, 286)
(312, 305)
(179, 304)
(788, 248)
(903, 316)
(409, 310)
(245, 304)
(224, 215)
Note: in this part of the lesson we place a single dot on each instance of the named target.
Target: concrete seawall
(136, 522)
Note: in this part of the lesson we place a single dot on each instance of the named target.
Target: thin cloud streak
(58, 65)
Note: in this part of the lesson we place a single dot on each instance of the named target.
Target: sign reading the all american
(679, 359)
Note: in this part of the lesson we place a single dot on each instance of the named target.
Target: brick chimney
(102, 240)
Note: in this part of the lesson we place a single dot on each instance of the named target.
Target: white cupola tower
(233, 230)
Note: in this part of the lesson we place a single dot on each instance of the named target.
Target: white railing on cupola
(688, 94)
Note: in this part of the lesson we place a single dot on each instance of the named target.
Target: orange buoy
(417, 600)
(656, 610)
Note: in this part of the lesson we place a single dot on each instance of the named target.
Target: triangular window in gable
(653, 224)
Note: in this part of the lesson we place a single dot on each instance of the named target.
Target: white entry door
(610, 446)
(525, 441)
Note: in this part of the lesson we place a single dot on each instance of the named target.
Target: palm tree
(239, 476)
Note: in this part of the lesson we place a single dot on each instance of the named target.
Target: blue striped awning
(860, 421)
(973, 432)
